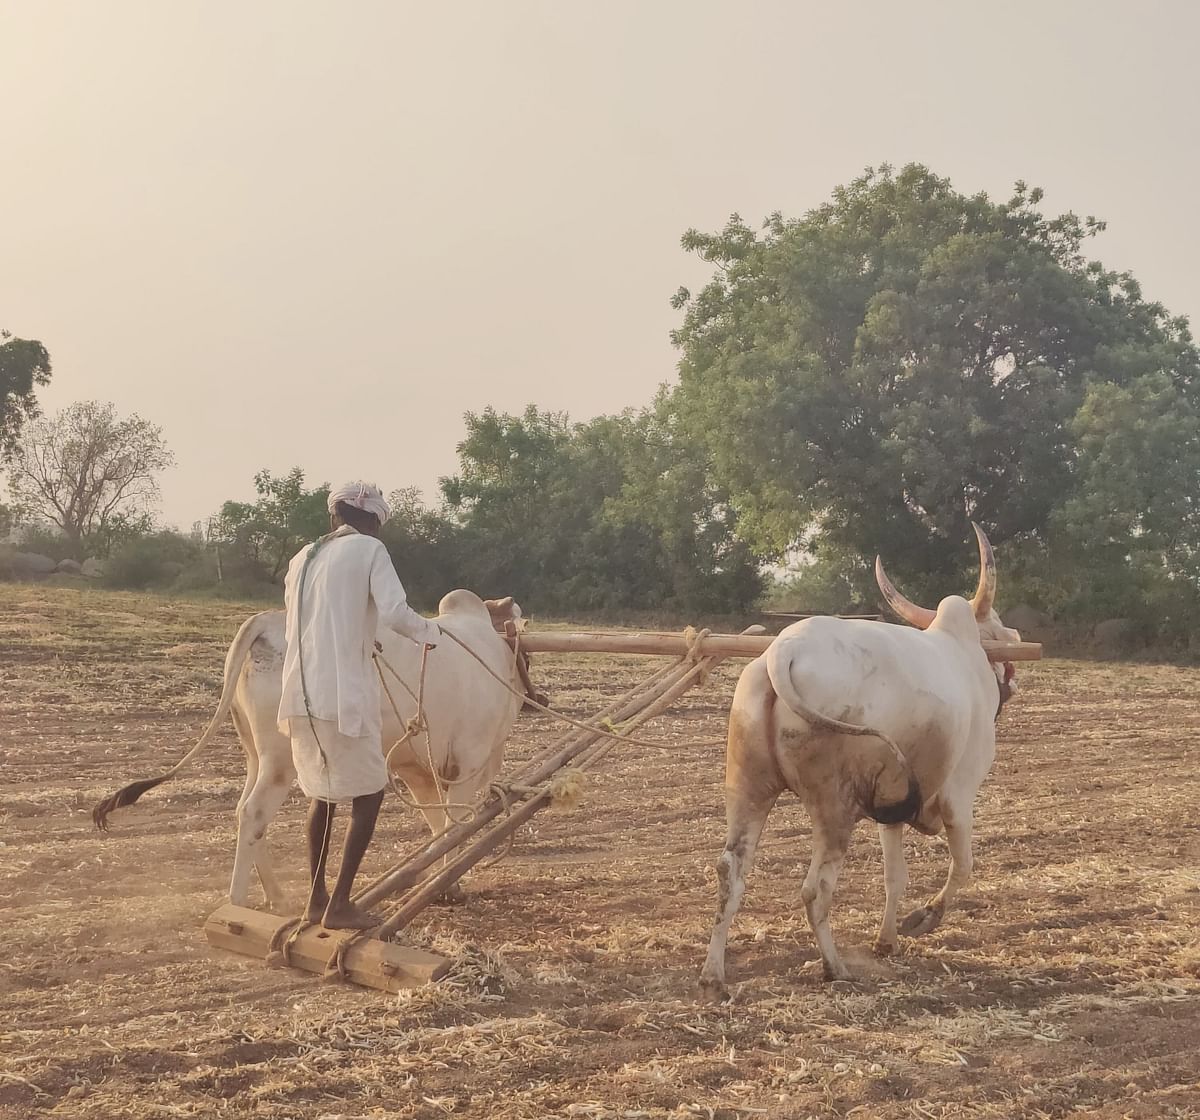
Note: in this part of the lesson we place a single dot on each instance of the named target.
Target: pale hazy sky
(316, 233)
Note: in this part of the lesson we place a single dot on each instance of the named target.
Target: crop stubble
(1067, 982)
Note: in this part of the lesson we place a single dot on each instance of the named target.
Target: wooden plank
(468, 855)
(409, 872)
(644, 699)
(371, 963)
(714, 645)
(799, 616)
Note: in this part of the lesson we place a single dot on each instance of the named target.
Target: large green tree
(265, 534)
(425, 548)
(606, 515)
(872, 376)
(506, 498)
(24, 365)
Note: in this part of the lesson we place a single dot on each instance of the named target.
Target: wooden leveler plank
(374, 964)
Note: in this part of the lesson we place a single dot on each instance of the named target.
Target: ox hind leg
(745, 818)
(753, 783)
(958, 816)
(269, 778)
(895, 882)
(831, 837)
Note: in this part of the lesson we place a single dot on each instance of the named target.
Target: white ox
(860, 719)
(469, 715)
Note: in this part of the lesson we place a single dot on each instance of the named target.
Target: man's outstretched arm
(392, 603)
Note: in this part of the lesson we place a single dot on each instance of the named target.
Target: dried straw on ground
(1067, 984)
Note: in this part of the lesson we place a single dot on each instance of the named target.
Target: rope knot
(279, 949)
(336, 968)
(566, 789)
(695, 639)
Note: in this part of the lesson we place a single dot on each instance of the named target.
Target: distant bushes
(171, 562)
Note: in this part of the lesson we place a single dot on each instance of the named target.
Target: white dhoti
(338, 768)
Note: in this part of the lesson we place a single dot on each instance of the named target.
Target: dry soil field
(1067, 982)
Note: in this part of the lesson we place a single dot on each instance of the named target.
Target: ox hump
(463, 603)
(956, 616)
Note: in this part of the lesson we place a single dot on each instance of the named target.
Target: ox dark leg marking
(746, 822)
(272, 888)
(255, 814)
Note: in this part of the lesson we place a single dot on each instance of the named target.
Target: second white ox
(860, 719)
(468, 712)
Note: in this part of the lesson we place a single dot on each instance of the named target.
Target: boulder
(70, 567)
(32, 564)
(1028, 620)
(93, 569)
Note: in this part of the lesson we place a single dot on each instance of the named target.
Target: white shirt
(350, 590)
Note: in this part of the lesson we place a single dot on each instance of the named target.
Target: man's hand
(434, 645)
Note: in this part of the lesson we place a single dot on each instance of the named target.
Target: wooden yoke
(711, 645)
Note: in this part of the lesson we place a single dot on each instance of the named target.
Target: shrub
(152, 561)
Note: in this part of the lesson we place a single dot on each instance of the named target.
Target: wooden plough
(413, 883)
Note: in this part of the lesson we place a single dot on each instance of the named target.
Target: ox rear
(829, 736)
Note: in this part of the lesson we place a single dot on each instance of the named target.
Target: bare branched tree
(86, 467)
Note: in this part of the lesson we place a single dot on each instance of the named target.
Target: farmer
(337, 592)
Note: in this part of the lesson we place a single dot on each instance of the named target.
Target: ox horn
(985, 593)
(920, 617)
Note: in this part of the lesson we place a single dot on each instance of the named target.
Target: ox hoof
(713, 991)
(922, 921)
(884, 948)
(835, 972)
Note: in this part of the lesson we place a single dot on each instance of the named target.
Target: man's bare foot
(349, 916)
(316, 909)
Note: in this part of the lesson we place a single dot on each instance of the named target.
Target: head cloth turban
(361, 495)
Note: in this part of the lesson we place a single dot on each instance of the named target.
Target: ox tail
(882, 782)
(234, 660)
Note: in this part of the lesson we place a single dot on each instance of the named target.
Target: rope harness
(284, 938)
(694, 639)
(418, 723)
(414, 726)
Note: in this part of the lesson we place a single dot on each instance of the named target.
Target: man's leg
(341, 913)
(319, 831)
